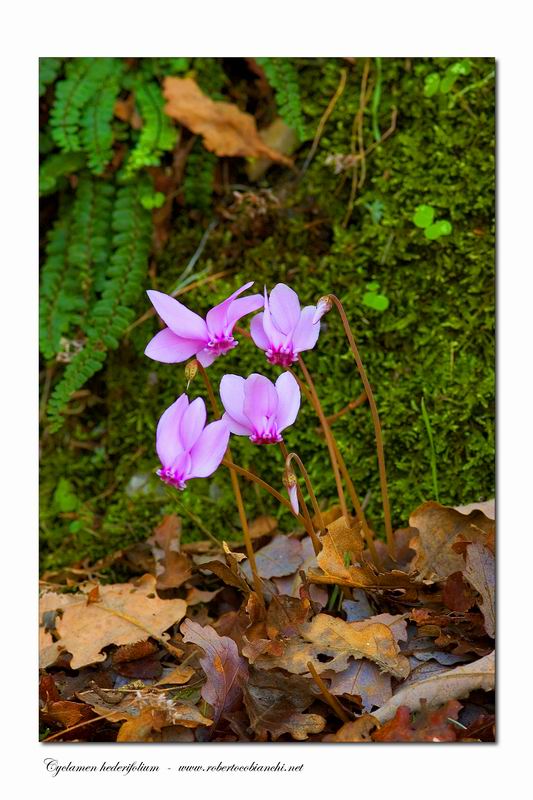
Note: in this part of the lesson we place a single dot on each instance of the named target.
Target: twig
(324, 118)
(328, 697)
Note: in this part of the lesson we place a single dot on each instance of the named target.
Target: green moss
(434, 341)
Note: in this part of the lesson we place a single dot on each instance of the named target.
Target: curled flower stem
(330, 699)
(327, 433)
(376, 422)
(288, 457)
(238, 495)
(266, 486)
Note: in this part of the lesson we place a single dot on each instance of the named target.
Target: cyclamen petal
(168, 442)
(284, 307)
(209, 450)
(179, 318)
(257, 408)
(185, 446)
(293, 497)
(192, 423)
(188, 334)
(169, 348)
(288, 393)
(283, 329)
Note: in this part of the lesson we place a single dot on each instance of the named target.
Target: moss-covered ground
(433, 345)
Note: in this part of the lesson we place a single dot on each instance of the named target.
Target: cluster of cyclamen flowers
(254, 407)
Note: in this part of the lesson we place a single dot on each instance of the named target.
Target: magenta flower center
(172, 478)
(283, 356)
(220, 344)
(268, 434)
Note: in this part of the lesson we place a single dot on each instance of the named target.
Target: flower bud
(291, 484)
(322, 307)
(191, 368)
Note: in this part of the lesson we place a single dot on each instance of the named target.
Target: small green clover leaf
(438, 229)
(155, 200)
(431, 84)
(423, 216)
(371, 298)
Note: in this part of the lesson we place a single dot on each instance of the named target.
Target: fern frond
(56, 166)
(48, 72)
(90, 248)
(111, 314)
(199, 177)
(56, 312)
(83, 79)
(283, 77)
(97, 132)
(158, 133)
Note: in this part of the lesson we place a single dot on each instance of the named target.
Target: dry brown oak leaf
(480, 572)
(343, 541)
(226, 130)
(441, 687)
(125, 613)
(172, 567)
(439, 529)
(340, 640)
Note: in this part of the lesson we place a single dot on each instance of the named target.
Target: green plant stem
(376, 423)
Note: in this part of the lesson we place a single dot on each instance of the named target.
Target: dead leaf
(263, 526)
(275, 704)
(196, 596)
(132, 652)
(488, 507)
(357, 731)
(336, 641)
(66, 713)
(279, 136)
(172, 568)
(178, 676)
(225, 669)
(343, 544)
(456, 594)
(480, 572)
(441, 687)
(439, 529)
(127, 613)
(365, 680)
(430, 725)
(226, 130)
(282, 556)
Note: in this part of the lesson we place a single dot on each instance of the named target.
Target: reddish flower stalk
(309, 522)
(376, 423)
(289, 457)
(238, 495)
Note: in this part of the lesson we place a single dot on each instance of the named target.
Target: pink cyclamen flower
(284, 329)
(189, 335)
(186, 446)
(257, 408)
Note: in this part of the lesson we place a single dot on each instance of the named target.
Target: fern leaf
(97, 131)
(54, 313)
(282, 76)
(83, 79)
(158, 133)
(48, 72)
(57, 166)
(111, 314)
(199, 177)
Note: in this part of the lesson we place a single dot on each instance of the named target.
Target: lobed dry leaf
(430, 725)
(359, 730)
(282, 556)
(172, 568)
(226, 130)
(275, 704)
(452, 684)
(439, 529)
(225, 669)
(480, 572)
(336, 641)
(126, 613)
